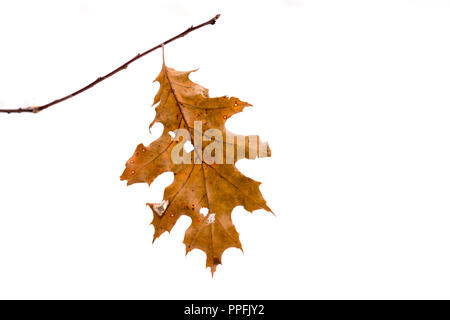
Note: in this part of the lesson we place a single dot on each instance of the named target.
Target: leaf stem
(36, 109)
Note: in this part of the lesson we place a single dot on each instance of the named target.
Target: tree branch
(37, 109)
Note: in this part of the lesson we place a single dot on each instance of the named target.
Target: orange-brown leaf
(219, 187)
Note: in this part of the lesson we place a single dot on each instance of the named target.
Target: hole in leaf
(188, 147)
(204, 211)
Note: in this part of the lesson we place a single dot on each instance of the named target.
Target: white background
(353, 97)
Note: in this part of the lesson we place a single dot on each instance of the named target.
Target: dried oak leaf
(201, 184)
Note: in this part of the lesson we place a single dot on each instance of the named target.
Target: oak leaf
(200, 182)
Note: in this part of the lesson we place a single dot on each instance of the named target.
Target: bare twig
(37, 109)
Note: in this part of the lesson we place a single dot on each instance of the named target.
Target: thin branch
(37, 109)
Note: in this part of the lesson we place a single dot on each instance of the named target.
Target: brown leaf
(209, 183)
